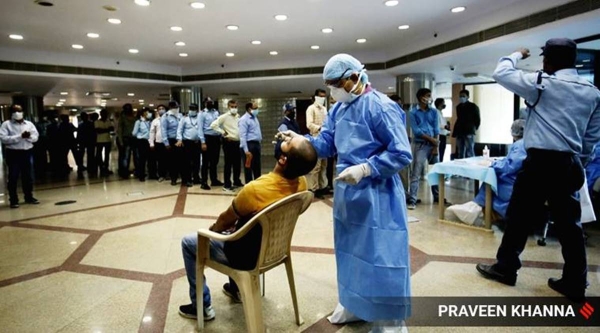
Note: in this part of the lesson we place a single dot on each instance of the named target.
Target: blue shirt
(169, 123)
(424, 122)
(188, 128)
(567, 117)
(207, 117)
(141, 129)
(249, 130)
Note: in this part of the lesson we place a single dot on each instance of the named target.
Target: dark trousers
(190, 170)
(254, 171)
(90, 150)
(442, 147)
(552, 177)
(125, 152)
(40, 161)
(157, 166)
(330, 167)
(142, 147)
(20, 163)
(231, 150)
(103, 160)
(174, 158)
(210, 158)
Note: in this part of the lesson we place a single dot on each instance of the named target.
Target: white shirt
(227, 123)
(155, 132)
(10, 134)
(442, 122)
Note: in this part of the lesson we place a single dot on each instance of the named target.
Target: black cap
(194, 106)
(559, 45)
(173, 104)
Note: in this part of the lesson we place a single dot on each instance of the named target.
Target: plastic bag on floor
(341, 316)
(587, 209)
(469, 213)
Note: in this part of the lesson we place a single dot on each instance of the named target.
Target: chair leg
(290, 275)
(249, 286)
(263, 284)
(200, 295)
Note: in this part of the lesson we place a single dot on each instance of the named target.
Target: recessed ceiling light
(105, 94)
(77, 46)
(255, 42)
(64, 93)
(390, 88)
(232, 27)
(114, 21)
(404, 27)
(150, 105)
(585, 60)
(183, 54)
(391, 3)
(176, 28)
(134, 51)
(315, 47)
(62, 100)
(229, 54)
(326, 30)
(114, 99)
(579, 65)
(458, 9)
(273, 53)
(142, 2)
(103, 101)
(93, 35)
(180, 43)
(130, 94)
(141, 101)
(16, 37)
(197, 5)
(361, 40)
(281, 17)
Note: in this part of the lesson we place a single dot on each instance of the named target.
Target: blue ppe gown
(506, 174)
(370, 220)
(592, 170)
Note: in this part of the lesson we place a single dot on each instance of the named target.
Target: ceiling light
(114, 21)
(134, 51)
(458, 9)
(229, 54)
(197, 5)
(326, 30)
(579, 66)
(141, 101)
(361, 40)
(585, 60)
(273, 53)
(255, 42)
(105, 94)
(114, 99)
(150, 105)
(315, 47)
(77, 46)
(391, 3)
(130, 94)
(64, 93)
(183, 54)
(281, 17)
(102, 101)
(17, 37)
(142, 2)
(404, 27)
(62, 100)
(176, 28)
(232, 27)
(93, 35)
(180, 43)
(390, 88)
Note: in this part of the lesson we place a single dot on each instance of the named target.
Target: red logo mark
(586, 311)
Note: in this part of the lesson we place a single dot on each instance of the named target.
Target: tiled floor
(111, 262)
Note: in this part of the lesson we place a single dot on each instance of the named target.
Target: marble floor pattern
(111, 262)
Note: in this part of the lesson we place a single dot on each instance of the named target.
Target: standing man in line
(18, 136)
(157, 146)
(467, 123)
(169, 123)
(289, 119)
(424, 122)
(440, 105)
(103, 142)
(125, 140)
(227, 126)
(250, 137)
(315, 118)
(189, 140)
(562, 129)
(211, 145)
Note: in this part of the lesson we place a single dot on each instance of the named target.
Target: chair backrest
(278, 221)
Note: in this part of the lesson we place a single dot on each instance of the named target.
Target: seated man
(295, 158)
(506, 173)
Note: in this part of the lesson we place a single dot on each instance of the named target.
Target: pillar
(186, 96)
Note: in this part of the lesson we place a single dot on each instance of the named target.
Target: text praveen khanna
(495, 310)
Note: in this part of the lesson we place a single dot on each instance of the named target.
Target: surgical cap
(517, 128)
(343, 64)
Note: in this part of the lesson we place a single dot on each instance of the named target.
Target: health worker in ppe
(367, 131)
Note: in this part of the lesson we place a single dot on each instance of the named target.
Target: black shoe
(235, 296)
(205, 186)
(197, 182)
(216, 183)
(569, 290)
(239, 184)
(491, 272)
(319, 194)
(437, 200)
(173, 182)
(14, 205)
(189, 184)
(190, 311)
(32, 201)
(416, 202)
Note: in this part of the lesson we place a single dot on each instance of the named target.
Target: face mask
(193, 114)
(161, 112)
(320, 100)
(342, 96)
(233, 111)
(209, 106)
(463, 99)
(17, 116)
(175, 111)
(292, 115)
(255, 112)
(149, 116)
(443, 107)
(426, 101)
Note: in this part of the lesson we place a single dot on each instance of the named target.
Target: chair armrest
(232, 237)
